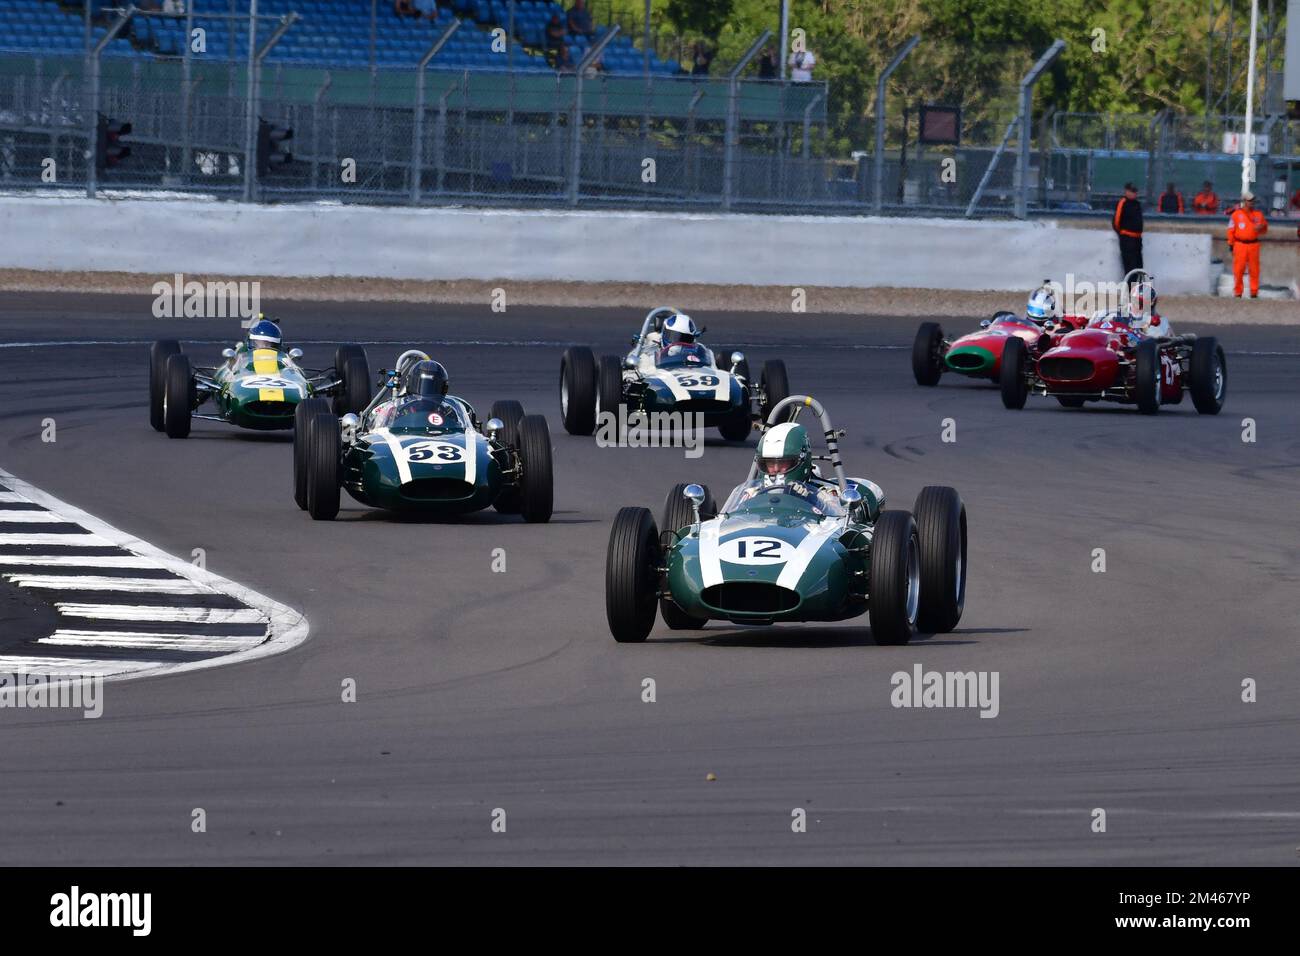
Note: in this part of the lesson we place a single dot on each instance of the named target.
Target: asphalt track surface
(479, 690)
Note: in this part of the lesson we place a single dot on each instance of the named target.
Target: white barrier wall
(231, 239)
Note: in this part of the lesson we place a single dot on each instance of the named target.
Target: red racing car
(1116, 358)
(979, 354)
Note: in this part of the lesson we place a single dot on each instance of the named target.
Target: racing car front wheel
(303, 413)
(178, 397)
(927, 365)
(609, 386)
(324, 465)
(632, 575)
(678, 514)
(578, 390)
(941, 530)
(775, 387)
(159, 353)
(537, 483)
(1146, 377)
(510, 413)
(1209, 375)
(1015, 387)
(895, 578)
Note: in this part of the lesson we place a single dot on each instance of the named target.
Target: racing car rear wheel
(1209, 376)
(679, 514)
(355, 392)
(537, 483)
(324, 465)
(159, 353)
(775, 387)
(927, 364)
(578, 390)
(609, 385)
(1015, 388)
(178, 397)
(1146, 377)
(632, 575)
(301, 415)
(511, 413)
(941, 530)
(895, 578)
(738, 425)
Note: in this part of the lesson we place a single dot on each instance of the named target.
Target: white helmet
(680, 328)
(1042, 304)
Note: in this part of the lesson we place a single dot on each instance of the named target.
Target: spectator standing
(1171, 200)
(1206, 202)
(767, 64)
(579, 20)
(555, 34)
(1294, 206)
(702, 59)
(801, 65)
(1246, 226)
(1127, 224)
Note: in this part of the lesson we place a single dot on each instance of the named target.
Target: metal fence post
(187, 96)
(1026, 109)
(878, 179)
(254, 92)
(731, 135)
(92, 106)
(417, 125)
(575, 155)
(315, 127)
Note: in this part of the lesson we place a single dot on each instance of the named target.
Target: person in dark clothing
(579, 20)
(702, 60)
(1127, 224)
(767, 64)
(1171, 200)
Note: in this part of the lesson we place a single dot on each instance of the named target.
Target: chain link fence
(484, 137)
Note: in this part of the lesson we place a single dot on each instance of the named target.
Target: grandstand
(330, 34)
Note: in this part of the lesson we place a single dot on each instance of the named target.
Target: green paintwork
(759, 541)
(985, 357)
(243, 398)
(374, 476)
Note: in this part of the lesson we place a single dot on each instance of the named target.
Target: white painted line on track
(83, 540)
(80, 666)
(166, 642)
(9, 498)
(30, 517)
(94, 582)
(77, 561)
(167, 615)
(286, 627)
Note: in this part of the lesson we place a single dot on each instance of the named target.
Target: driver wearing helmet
(420, 393)
(677, 329)
(263, 334)
(1140, 310)
(784, 458)
(1041, 306)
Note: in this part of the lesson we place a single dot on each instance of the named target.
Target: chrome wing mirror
(295, 354)
(348, 425)
(492, 426)
(695, 495)
(227, 353)
(736, 359)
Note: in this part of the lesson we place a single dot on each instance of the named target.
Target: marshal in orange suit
(1246, 225)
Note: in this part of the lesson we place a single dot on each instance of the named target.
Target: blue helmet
(264, 334)
(1042, 304)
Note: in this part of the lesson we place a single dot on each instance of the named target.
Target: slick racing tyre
(1146, 377)
(324, 466)
(941, 530)
(775, 388)
(178, 397)
(609, 386)
(1209, 376)
(578, 390)
(342, 399)
(511, 413)
(537, 484)
(1015, 388)
(738, 424)
(631, 575)
(305, 411)
(679, 514)
(927, 365)
(159, 353)
(355, 391)
(895, 578)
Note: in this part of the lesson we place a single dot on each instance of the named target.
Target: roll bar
(828, 432)
(649, 321)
